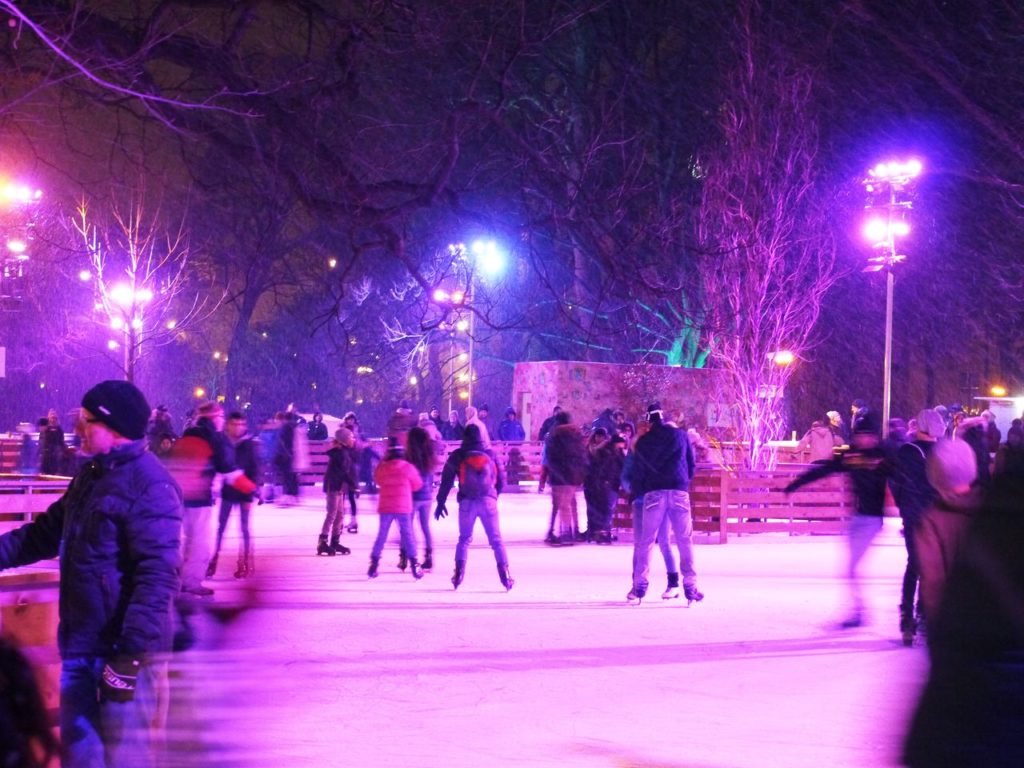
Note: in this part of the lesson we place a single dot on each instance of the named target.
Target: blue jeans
(862, 530)
(404, 520)
(421, 512)
(486, 511)
(657, 507)
(97, 734)
(664, 542)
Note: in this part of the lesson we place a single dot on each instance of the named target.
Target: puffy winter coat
(117, 530)
(396, 479)
(565, 455)
(821, 442)
(663, 461)
(341, 469)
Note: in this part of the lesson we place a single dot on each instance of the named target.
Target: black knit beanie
(121, 406)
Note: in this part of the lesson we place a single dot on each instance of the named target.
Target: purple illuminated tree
(768, 256)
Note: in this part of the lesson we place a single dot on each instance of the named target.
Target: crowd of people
(136, 537)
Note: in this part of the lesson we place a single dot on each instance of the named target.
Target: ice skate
(908, 627)
(460, 573)
(374, 565)
(428, 560)
(852, 622)
(211, 569)
(353, 526)
(321, 546)
(506, 579)
(414, 569)
(672, 590)
(692, 594)
(635, 596)
(337, 548)
(403, 561)
(242, 569)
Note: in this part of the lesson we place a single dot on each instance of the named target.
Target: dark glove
(119, 679)
(440, 511)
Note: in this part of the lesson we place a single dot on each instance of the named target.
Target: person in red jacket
(396, 480)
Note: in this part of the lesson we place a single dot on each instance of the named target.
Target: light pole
(486, 258)
(887, 185)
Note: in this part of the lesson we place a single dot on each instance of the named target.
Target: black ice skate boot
(692, 594)
(337, 548)
(636, 595)
(374, 563)
(321, 545)
(211, 569)
(908, 626)
(506, 579)
(428, 560)
(403, 561)
(414, 568)
(460, 573)
(672, 590)
(353, 525)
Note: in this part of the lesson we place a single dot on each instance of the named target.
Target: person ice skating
(249, 461)
(661, 471)
(201, 453)
(510, 430)
(116, 531)
(396, 480)
(422, 454)
(564, 464)
(601, 484)
(340, 478)
(869, 467)
(316, 430)
(285, 456)
(481, 478)
(914, 495)
(51, 446)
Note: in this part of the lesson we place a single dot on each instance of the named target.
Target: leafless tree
(768, 256)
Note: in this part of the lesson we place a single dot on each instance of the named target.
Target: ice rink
(310, 663)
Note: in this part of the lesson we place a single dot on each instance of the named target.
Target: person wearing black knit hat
(117, 533)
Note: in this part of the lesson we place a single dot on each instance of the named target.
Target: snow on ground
(330, 668)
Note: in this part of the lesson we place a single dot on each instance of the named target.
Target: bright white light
(85, 275)
(122, 294)
(116, 323)
(783, 357)
(440, 295)
(171, 325)
(463, 357)
(137, 323)
(462, 325)
(458, 297)
(489, 257)
(144, 295)
(463, 395)
(914, 168)
(900, 228)
(17, 246)
(875, 230)
(413, 380)
(111, 344)
(216, 355)
(332, 263)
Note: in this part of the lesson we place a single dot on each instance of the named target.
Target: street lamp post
(887, 185)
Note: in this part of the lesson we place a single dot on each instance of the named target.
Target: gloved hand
(440, 511)
(119, 677)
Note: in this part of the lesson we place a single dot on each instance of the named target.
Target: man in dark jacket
(661, 471)
(510, 429)
(481, 479)
(117, 533)
(549, 423)
(914, 495)
(869, 465)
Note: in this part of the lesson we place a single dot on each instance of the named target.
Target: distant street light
(886, 185)
(486, 257)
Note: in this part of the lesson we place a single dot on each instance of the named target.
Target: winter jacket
(316, 430)
(341, 469)
(565, 455)
(451, 471)
(820, 441)
(117, 531)
(201, 453)
(911, 490)
(511, 430)
(249, 460)
(51, 450)
(397, 479)
(663, 461)
(869, 470)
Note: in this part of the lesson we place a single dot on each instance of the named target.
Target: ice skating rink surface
(312, 664)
